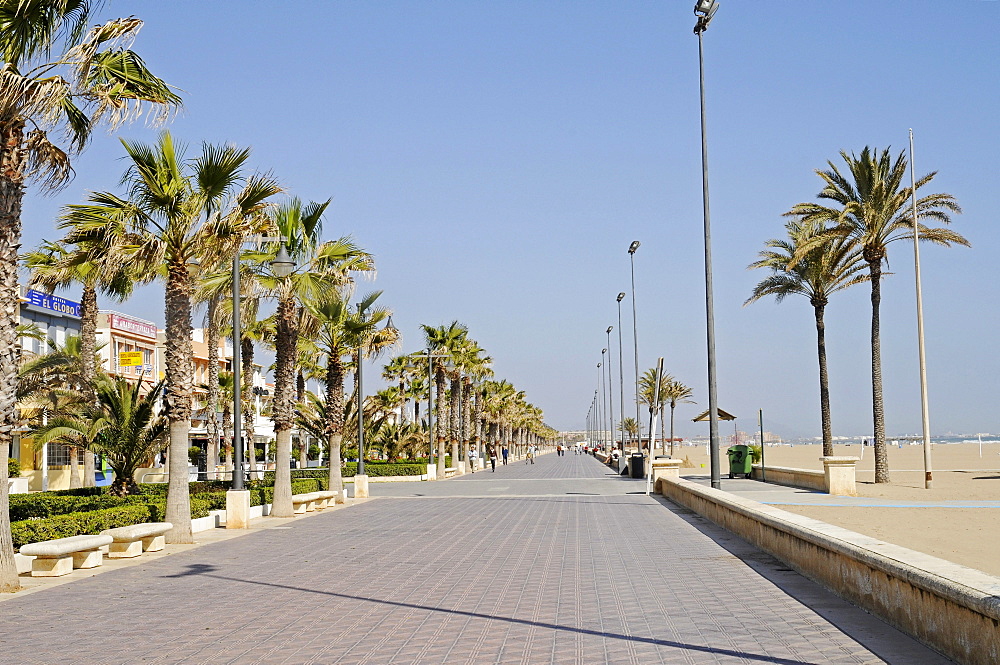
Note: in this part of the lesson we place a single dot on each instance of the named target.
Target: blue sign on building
(52, 303)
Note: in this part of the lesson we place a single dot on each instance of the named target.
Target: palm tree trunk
(212, 424)
(477, 415)
(249, 403)
(88, 351)
(335, 418)
(466, 436)
(878, 407)
(177, 400)
(283, 405)
(442, 423)
(824, 380)
(74, 467)
(13, 161)
(454, 417)
(227, 428)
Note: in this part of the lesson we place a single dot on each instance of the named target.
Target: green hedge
(263, 494)
(78, 491)
(75, 524)
(13, 468)
(88, 510)
(45, 504)
(137, 510)
(382, 470)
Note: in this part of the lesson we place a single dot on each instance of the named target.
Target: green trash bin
(739, 461)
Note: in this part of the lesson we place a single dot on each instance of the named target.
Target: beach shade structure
(723, 415)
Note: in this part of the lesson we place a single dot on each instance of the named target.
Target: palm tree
(320, 268)
(403, 370)
(338, 331)
(827, 269)
(871, 209)
(446, 340)
(677, 393)
(630, 428)
(122, 424)
(226, 394)
(90, 79)
(475, 366)
(177, 214)
(647, 391)
(95, 267)
(53, 377)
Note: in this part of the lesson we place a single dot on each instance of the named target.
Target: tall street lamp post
(922, 356)
(705, 10)
(600, 401)
(238, 499)
(611, 398)
(621, 366)
(635, 344)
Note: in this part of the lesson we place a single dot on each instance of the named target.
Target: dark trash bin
(740, 462)
(636, 465)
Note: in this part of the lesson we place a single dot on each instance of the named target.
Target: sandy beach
(962, 534)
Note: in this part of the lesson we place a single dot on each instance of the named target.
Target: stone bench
(305, 503)
(60, 556)
(131, 541)
(324, 498)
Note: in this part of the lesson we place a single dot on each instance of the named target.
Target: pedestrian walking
(531, 455)
(505, 454)
(473, 458)
(493, 458)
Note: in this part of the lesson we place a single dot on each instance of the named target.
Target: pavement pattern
(561, 561)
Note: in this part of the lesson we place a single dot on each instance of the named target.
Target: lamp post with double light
(238, 499)
(704, 10)
(431, 440)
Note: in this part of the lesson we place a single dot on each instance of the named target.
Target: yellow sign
(130, 359)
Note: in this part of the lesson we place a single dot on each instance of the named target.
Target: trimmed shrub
(13, 468)
(78, 491)
(75, 524)
(195, 487)
(43, 504)
(383, 470)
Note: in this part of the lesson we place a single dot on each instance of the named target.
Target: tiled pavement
(556, 562)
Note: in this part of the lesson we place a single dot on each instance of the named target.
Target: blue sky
(498, 158)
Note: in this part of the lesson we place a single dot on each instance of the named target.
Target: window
(58, 455)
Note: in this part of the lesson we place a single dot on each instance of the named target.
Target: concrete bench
(133, 540)
(450, 471)
(325, 498)
(305, 503)
(60, 556)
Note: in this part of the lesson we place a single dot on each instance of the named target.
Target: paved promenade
(556, 562)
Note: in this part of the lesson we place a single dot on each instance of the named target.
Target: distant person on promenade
(493, 458)
(505, 454)
(530, 457)
(473, 458)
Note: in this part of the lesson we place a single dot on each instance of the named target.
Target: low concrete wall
(949, 607)
(781, 475)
